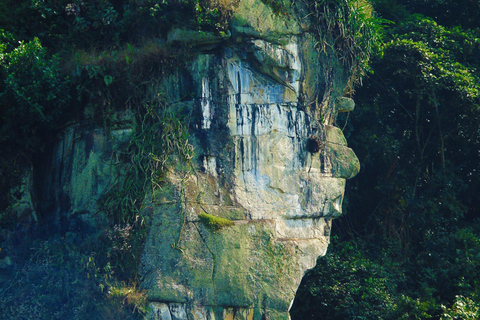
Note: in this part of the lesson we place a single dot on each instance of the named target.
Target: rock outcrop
(255, 170)
(231, 235)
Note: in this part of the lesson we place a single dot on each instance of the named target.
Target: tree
(413, 208)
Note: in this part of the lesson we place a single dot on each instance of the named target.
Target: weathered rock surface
(254, 170)
(256, 95)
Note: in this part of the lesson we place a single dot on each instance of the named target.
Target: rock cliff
(254, 169)
(230, 232)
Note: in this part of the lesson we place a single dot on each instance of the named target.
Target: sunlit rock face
(255, 97)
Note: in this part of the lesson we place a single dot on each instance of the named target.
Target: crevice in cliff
(239, 94)
(214, 258)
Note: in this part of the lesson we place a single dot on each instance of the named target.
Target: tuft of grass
(213, 222)
(130, 296)
(160, 141)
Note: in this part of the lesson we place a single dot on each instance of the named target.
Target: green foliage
(345, 284)
(213, 222)
(449, 13)
(348, 28)
(70, 277)
(67, 25)
(362, 279)
(436, 58)
(213, 15)
(427, 97)
(464, 308)
(412, 211)
(34, 95)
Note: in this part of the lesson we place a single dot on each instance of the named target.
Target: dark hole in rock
(314, 144)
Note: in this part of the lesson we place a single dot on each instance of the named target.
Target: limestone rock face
(258, 93)
(254, 96)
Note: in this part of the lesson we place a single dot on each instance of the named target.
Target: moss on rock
(213, 222)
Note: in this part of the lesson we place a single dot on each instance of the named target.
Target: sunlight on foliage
(463, 308)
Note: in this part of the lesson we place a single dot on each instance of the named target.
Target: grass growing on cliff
(349, 28)
(159, 141)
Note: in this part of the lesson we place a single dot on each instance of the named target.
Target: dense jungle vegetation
(408, 246)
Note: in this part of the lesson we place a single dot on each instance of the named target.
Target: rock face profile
(233, 238)
(231, 231)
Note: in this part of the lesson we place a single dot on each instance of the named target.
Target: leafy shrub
(464, 308)
(345, 285)
(35, 95)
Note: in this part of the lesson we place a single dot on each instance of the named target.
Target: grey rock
(345, 104)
